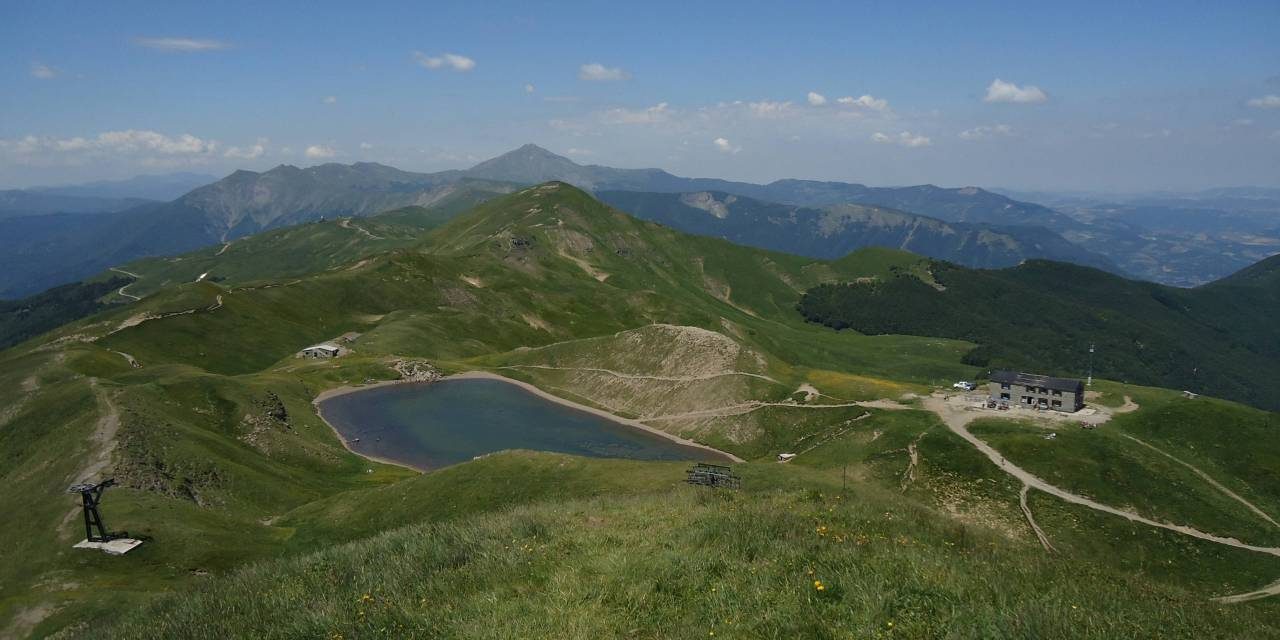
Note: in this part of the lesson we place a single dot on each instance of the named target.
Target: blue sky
(1060, 96)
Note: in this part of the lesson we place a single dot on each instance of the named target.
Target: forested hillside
(1221, 339)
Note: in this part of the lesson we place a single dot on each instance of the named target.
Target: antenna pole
(1090, 382)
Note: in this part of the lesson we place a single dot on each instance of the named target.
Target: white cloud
(816, 99)
(248, 152)
(905, 138)
(529, 88)
(330, 100)
(147, 147)
(365, 146)
(723, 145)
(1265, 102)
(597, 72)
(581, 153)
(1001, 91)
(865, 101)
(320, 152)
(43, 71)
(181, 44)
(452, 61)
(660, 112)
(768, 109)
(978, 133)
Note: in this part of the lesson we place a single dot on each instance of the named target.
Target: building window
(1004, 385)
(1057, 404)
(1056, 392)
(1004, 396)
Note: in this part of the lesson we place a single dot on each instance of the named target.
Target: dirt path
(956, 420)
(637, 376)
(345, 223)
(1207, 478)
(225, 246)
(1031, 520)
(122, 291)
(913, 460)
(749, 406)
(1272, 589)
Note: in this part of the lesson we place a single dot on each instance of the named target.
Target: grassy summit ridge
(225, 465)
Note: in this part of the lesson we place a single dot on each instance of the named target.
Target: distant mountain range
(74, 233)
(1184, 239)
(41, 251)
(165, 186)
(532, 164)
(835, 230)
(99, 197)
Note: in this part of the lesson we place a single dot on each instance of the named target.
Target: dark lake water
(428, 426)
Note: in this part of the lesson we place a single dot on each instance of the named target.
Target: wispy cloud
(769, 109)
(865, 102)
(43, 71)
(529, 88)
(330, 100)
(905, 138)
(660, 112)
(365, 146)
(453, 61)
(986, 131)
(816, 99)
(181, 44)
(1271, 101)
(724, 146)
(248, 152)
(1001, 91)
(320, 152)
(579, 153)
(596, 72)
(144, 146)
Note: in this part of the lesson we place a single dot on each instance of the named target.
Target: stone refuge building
(325, 350)
(1036, 391)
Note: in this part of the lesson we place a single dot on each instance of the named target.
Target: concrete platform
(117, 547)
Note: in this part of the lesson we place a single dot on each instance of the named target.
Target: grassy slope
(688, 563)
(302, 249)
(218, 487)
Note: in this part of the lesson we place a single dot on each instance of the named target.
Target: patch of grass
(690, 563)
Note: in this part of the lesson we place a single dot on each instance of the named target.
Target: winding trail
(637, 376)
(1031, 520)
(345, 223)
(1272, 589)
(1207, 478)
(121, 291)
(225, 246)
(753, 405)
(957, 421)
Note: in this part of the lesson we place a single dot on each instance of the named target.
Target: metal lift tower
(96, 535)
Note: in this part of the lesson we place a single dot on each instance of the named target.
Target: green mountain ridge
(257, 515)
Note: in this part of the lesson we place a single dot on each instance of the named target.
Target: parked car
(964, 386)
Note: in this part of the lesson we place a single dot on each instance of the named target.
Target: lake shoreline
(486, 375)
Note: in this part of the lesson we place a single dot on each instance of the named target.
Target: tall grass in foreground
(793, 564)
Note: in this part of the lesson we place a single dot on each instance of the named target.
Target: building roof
(326, 346)
(1035, 380)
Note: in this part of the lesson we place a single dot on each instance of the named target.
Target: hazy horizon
(1050, 98)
